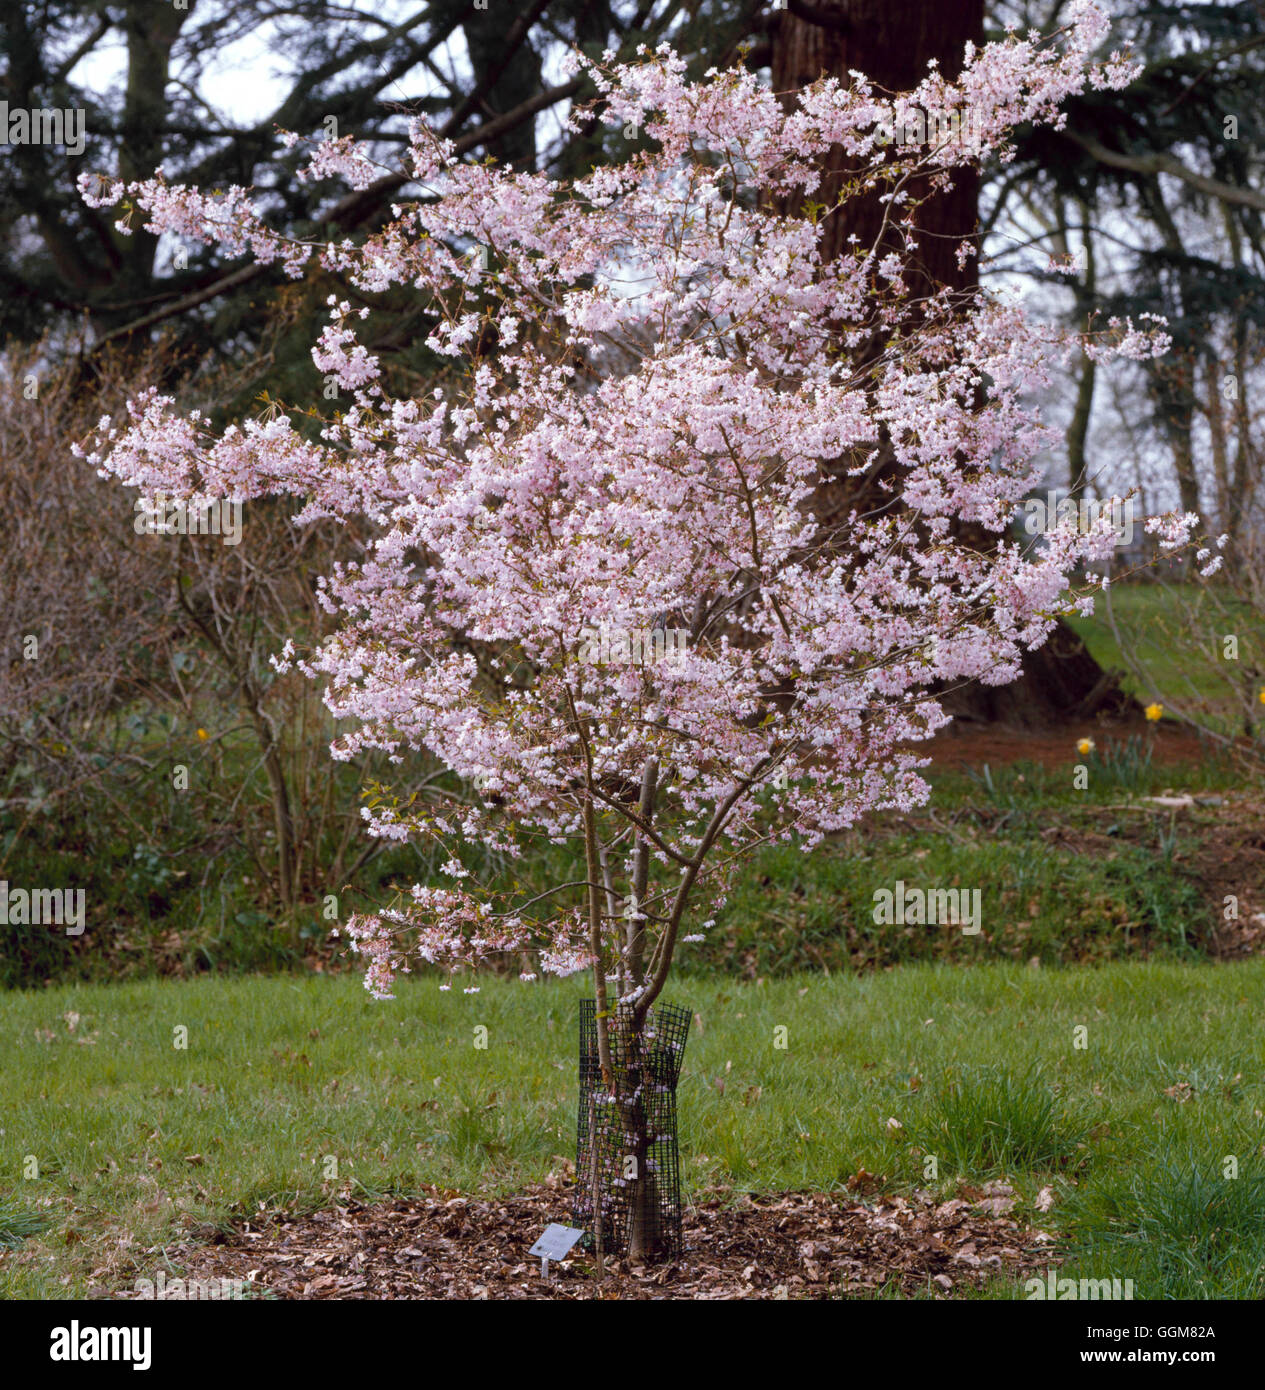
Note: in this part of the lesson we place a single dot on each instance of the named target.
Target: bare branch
(1159, 163)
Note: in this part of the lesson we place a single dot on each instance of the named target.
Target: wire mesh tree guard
(628, 1167)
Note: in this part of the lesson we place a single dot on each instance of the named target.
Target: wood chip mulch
(443, 1245)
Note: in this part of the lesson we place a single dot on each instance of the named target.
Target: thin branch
(1160, 163)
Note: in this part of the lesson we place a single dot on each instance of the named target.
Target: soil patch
(442, 1245)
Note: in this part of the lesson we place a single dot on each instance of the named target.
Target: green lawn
(1177, 632)
(136, 1139)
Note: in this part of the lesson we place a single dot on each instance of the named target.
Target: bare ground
(444, 1245)
(995, 744)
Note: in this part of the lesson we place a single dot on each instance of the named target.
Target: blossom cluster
(672, 383)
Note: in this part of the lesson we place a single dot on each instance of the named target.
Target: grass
(992, 1119)
(1185, 1225)
(186, 913)
(1176, 631)
(1055, 904)
(138, 1140)
(1137, 607)
(18, 1222)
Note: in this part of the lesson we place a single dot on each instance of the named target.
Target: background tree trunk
(892, 42)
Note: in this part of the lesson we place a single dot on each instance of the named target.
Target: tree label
(555, 1244)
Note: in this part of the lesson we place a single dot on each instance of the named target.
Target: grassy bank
(1065, 875)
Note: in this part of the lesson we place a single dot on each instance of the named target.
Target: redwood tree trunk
(892, 41)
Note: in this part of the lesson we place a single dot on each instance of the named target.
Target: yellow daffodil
(1154, 712)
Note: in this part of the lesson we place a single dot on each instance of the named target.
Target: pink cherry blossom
(637, 457)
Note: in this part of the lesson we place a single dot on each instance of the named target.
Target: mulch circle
(442, 1245)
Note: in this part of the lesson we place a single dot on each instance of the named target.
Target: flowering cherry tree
(598, 591)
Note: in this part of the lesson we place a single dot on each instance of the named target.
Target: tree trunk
(1078, 429)
(892, 41)
(644, 1202)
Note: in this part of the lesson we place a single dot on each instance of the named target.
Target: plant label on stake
(554, 1244)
